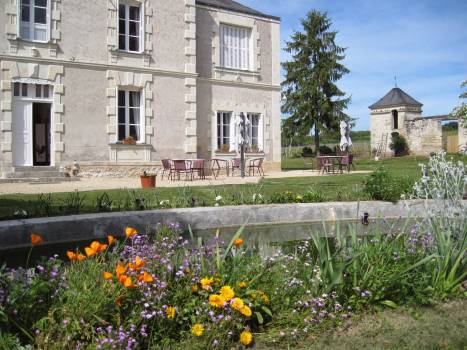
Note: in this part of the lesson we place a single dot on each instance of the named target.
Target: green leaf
(259, 317)
(389, 303)
(266, 311)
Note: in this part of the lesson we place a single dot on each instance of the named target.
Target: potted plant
(224, 148)
(254, 149)
(129, 141)
(148, 180)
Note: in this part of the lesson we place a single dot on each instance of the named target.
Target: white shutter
(261, 133)
(233, 133)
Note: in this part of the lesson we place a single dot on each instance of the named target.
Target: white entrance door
(22, 133)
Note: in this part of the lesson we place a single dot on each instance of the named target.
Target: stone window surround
(191, 136)
(234, 74)
(50, 74)
(33, 48)
(129, 81)
(236, 109)
(112, 31)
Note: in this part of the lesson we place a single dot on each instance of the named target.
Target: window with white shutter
(235, 47)
(34, 20)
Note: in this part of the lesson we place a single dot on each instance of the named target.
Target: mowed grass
(345, 187)
(439, 327)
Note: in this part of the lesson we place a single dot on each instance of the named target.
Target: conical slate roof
(234, 6)
(396, 97)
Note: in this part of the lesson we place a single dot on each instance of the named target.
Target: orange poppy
(238, 242)
(110, 239)
(130, 232)
(36, 239)
(138, 264)
(107, 276)
(145, 277)
(90, 251)
(120, 270)
(122, 278)
(98, 247)
(80, 257)
(129, 283)
(72, 255)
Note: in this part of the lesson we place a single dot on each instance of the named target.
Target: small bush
(399, 145)
(382, 186)
(307, 152)
(313, 196)
(325, 150)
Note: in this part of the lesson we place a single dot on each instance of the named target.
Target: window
(395, 119)
(223, 129)
(34, 18)
(35, 91)
(253, 130)
(129, 115)
(235, 47)
(129, 28)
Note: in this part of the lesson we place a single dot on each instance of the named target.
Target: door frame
(30, 100)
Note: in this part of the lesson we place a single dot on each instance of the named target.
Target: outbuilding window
(395, 119)
(223, 129)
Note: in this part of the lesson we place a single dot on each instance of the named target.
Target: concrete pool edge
(16, 233)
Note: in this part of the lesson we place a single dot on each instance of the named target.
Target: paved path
(92, 184)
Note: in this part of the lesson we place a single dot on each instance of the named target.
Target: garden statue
(346, 142)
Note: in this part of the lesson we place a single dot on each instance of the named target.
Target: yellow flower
(206, 283)
(217, 300)
(128, 283)
(170, 312)
(90, 251)
(197, 330)
(265, 298)
(227, 292)
(238, 242)
(194, 288)
(246, 311)
(110, 239)
(237, 304)
(246, 338)
(242, 284)
(130, 232)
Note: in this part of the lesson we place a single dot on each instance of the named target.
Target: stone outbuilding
(398, 112)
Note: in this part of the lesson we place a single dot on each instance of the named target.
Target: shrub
(325, 150)
(399, 145)
(313, 196)
(307, 152)
(383, 186)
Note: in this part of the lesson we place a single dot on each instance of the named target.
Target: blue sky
(422, 42)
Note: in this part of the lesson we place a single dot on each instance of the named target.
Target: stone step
(35, 168)
(38, 180)
(33, 174)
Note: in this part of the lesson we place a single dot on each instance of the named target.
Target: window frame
(127, 35)
(221, 137)
(31, 38)
(250, 116)
(248, 50)
(142, 135)
(29, 91)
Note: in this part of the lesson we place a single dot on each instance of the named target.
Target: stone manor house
(79, 78)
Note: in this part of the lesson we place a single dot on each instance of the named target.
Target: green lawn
(347, 187)
(440, 327)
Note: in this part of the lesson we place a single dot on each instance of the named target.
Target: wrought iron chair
(167, 166)
(256, 164)
(198, 166)
(236, 164)
(183, 166)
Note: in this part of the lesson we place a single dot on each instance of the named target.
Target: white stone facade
(177, 72)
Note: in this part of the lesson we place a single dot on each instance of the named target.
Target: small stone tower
(389, 115)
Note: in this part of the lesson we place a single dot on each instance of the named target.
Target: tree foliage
(460, 112)
(311, 97)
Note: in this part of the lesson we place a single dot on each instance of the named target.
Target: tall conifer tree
(311, 96)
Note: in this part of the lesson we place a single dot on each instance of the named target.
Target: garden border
(16, 233)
